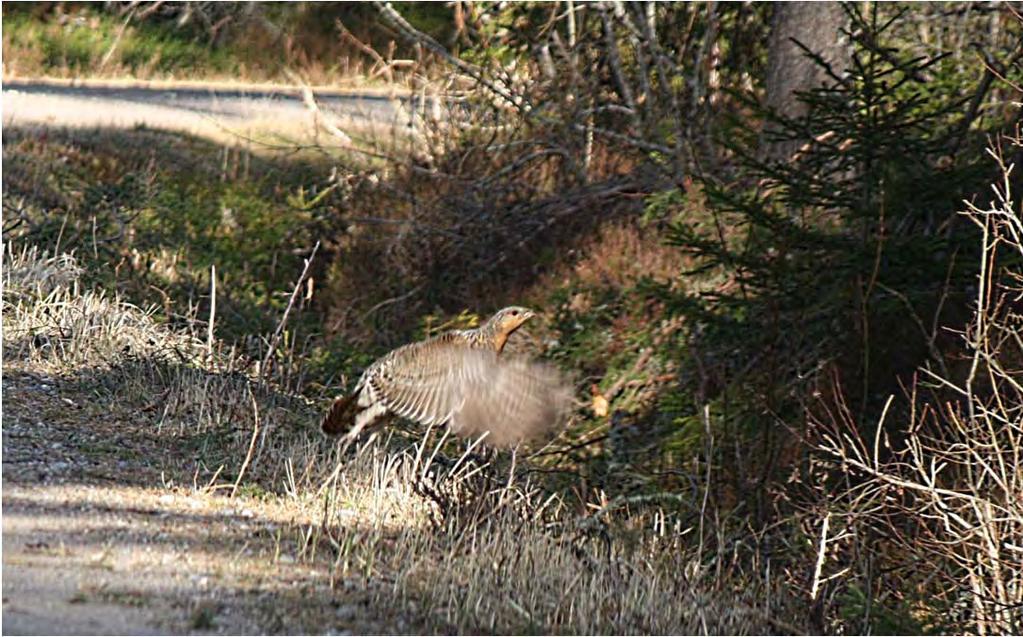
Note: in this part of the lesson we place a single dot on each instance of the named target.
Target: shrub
(944, 487)
(844, 257)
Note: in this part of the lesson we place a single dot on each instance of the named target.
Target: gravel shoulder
(103, 534)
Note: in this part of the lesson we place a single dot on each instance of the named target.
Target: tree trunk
(817, 26)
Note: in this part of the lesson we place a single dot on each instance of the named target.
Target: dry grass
(505, 576)
(946, 495)
(77, 40)
(460, 544)
(54, 326)
(621, 254)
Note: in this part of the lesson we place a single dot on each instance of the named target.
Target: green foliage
(249, 41)
(153, 230)
(80, 42)
(882, 619)
(436, 19)
(828, 253)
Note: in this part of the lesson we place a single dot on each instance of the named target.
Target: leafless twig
(252, 444)
(284, 319)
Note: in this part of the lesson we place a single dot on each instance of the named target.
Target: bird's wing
(510, 399)
(473, 390)
(427, 382)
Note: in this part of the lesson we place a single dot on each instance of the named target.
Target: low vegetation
(230, 42)
(797, 374)
(99, 44)
(469, 547)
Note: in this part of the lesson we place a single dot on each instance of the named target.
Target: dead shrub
(944, 491)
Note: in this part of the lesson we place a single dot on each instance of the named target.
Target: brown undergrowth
(462, 544)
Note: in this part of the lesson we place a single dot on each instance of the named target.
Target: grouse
(461, 379)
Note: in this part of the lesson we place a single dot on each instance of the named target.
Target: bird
(460, 379)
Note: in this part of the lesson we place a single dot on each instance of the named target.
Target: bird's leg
(345, 443)
(484, 457)
(502, 500)
(373, 426)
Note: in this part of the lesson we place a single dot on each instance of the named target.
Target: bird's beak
(529, 314)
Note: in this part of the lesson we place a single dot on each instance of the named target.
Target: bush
(844, 258)
(945, 485)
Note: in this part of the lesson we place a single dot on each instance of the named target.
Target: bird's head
(506, 321)
(510, 319)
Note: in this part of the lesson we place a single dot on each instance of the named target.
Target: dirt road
(202, 110)
(100, 536)
(106, 529)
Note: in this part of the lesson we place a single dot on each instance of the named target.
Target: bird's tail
(340, 417)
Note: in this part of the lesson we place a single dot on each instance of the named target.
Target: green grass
(149, 213)
(87, 43)
(85, 39)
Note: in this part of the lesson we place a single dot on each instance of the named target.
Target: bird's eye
(514, 312)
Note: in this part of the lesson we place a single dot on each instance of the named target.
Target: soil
(104, 533)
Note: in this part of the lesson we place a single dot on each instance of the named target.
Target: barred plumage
(460, 379)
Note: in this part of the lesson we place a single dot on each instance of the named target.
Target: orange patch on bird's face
(512, 323)
(509, 324)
